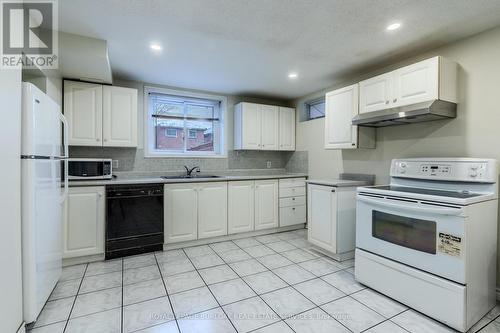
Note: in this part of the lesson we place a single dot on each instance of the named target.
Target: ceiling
(248, 47)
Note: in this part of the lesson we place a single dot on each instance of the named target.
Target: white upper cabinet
(83, 110)
(286, 128)
(266, 204)
(100, 115)
(119, 116)
(260, 127)
(341, 106)
(434, 78)
(270, 127)
(375, 93)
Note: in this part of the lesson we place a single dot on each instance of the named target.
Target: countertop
(339, 182)
(158, 180)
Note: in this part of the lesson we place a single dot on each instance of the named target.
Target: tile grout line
(206, 285)
(166, 292)
(76, 296)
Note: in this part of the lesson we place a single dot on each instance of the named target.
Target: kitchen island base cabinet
(266, 204)
(241, 206)
(195, 210)
(84, 221)
(331, 218)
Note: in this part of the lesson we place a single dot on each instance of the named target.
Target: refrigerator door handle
(66, 155)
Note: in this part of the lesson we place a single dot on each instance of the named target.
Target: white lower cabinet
(84, 221)
(241, 206)
(212, 209)
(332, 217)
(181, 212)
(292, 201)
(195, 210)
(266, 204)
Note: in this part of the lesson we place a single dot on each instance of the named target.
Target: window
(315, 109)
(192, 134)
(180, 123)
(171, 132)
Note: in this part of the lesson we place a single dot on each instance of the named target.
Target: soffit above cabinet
(84, 58)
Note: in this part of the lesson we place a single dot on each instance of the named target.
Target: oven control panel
(464, 169)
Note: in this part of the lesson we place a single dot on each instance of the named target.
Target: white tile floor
(269, 283)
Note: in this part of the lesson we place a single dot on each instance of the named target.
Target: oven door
(424, 235)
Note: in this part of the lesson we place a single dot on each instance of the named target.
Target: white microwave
(89, 168)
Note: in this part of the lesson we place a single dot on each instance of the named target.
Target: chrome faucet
(190, 171)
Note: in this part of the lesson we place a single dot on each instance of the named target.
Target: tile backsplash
(133, 160)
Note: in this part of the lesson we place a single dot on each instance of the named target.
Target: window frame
(308, 104)
(189, 133)
(171, 136)
(150, 133)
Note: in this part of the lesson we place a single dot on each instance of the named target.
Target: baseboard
(174, 246)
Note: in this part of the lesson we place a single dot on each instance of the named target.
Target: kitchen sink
(190, 177)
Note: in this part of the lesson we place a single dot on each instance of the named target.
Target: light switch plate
(269, 164)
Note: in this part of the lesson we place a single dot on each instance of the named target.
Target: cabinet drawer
(292, 182)
(292, 215)
(292, 191)
(293, 201)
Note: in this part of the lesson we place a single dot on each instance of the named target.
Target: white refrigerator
(42, 194)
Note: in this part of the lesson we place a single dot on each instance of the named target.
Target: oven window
(412, 233)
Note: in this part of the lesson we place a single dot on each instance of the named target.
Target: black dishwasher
(134, 219)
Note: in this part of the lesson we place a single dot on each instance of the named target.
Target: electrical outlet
(116, 164)
(269, 164)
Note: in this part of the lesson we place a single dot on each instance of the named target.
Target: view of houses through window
(185, 124)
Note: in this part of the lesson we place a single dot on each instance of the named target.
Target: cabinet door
(251, 126)
(270, 127)
(83, 110)
(375, 93)
(241, 206)
(416, 83)
(84, 218)
(212, 209)
(286, 129)
(119, 117)
(341, 107)
(181, 212)
(322, 217)
(266, 204)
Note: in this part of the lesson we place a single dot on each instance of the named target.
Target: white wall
(11, 314)
(474, 133)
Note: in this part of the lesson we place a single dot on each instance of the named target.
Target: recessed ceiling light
(393, 26)
(155, 47)
(293, 75)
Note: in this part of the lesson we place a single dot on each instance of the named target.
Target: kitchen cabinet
(430, 79)
(292, 201)
(286, 128)
(84, 221)
(332, 217)
(266, 204)
(83, 111)
(195, 211)
(259, 127)
(241, 206)
(181, 212)
(119, 117)
(341, 106)
(212, 209)
(101, 116)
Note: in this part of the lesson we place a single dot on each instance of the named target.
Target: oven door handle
(418, 208)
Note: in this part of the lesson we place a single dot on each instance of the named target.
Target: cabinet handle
(386, 102)
(293, 199)
(105, 140)
(333, 191)
(394, 100)
(293, 208)
(97, 139)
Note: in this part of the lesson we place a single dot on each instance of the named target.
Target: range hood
(408, 114)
